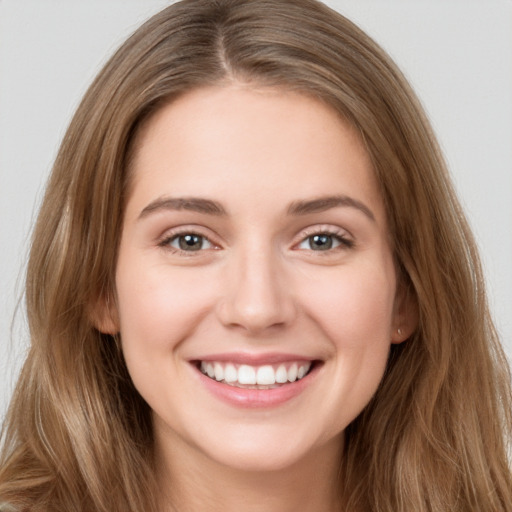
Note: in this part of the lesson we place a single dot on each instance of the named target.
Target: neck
(193, 482)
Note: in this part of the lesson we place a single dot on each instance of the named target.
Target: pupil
(191, 242)
(321, 242)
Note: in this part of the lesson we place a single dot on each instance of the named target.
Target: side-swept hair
(78, 437)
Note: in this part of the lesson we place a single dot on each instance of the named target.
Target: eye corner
(324, 240)
(187, 241)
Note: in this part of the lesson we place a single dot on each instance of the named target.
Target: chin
(254, 450)
(256, 460)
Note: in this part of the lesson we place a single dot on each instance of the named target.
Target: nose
(257, 294)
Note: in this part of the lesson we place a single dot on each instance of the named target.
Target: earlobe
(399, 335)
(103, 315)
(405, 316)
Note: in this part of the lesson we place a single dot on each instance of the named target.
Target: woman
(251, 286)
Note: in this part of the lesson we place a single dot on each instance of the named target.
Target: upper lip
(253, 359)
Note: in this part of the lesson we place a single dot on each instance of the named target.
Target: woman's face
(256, 288)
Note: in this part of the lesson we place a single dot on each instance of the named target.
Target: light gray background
(457, 54)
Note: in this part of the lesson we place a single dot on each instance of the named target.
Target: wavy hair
(78, 436)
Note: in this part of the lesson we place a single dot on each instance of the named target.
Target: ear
(405, 314)
(103, 314)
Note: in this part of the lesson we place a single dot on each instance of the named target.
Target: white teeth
(246, 375)
(281, 374)
(219, 371)
(230, 373)
(266, 375)
(292, 373)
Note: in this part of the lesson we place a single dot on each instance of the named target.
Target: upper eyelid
(164, 243)
(216, 240)
(323, 229)
(345, 238)
(191, 229)
(171, 234)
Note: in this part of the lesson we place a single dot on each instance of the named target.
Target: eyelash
(340, 236)
(165, 243)
(344, 242)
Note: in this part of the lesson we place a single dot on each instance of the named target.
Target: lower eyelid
(345, 241)
(341, 243)
(205, 241)
(166, 240)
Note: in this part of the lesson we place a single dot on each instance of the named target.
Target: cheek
(159, 305)
(355, 312)
(354, 308)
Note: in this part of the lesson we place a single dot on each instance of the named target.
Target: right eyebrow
(194, 204)
(322, 204)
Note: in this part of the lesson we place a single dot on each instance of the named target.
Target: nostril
(256, 304)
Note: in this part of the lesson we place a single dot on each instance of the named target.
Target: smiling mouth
(268, 376)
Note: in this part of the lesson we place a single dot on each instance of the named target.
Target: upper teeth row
(262, 375)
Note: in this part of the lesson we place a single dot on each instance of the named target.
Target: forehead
(237, 139)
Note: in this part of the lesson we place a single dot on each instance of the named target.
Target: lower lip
(257, 398)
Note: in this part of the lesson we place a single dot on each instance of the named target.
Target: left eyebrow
(321, 204)
(195, 204)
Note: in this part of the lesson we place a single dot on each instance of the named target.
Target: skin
(257, 284)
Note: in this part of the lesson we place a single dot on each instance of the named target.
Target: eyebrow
(193, 204)
(322, 204)
(296, 208)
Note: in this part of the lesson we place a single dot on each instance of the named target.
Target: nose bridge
(257, 296)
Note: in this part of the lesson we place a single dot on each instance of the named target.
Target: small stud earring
(399, 331)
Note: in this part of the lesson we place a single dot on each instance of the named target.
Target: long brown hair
(78, 436)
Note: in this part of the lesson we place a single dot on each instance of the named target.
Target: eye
(324, 242)
(189, 242)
